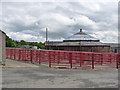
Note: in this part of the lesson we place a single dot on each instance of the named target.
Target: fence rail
(64, 58)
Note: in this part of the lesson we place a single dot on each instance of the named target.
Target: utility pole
(46, 37)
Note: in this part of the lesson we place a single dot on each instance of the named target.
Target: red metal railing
(64, 58)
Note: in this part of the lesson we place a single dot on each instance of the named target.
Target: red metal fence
(64, 58)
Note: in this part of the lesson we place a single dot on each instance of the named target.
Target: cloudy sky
(28, 20)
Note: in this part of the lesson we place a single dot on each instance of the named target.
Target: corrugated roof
(114, 44)
(53, 42)
(81, 36)
(80, 44)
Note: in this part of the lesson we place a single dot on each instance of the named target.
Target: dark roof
(81, 36)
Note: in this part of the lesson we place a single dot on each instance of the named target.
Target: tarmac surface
(24, 75)
(13, 64)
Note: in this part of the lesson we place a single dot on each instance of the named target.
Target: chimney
(80, 30)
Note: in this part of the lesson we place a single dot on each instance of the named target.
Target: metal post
(80, 59)
(49, 60)
(58, 57)
(11, 52)
(6, 53)
(117, 61)
(110, 59)
(40, 57)
(101, 59)
(19, 54)
(25, 55)
(70, 55)
(46, 38)
(31, 56)
(93, 61)
(14, 54)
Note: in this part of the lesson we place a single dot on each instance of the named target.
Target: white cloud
(85, 21)
(23, 36)
(107, 36)
(23, 20)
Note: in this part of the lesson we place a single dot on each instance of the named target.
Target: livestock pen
(64, 58)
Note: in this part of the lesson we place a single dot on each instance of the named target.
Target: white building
(2, 47)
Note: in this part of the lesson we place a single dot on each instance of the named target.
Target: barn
(79, 41)
(2, 47)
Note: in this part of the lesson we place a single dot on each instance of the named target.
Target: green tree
(13, 43)
(10, 42)
(22, 42)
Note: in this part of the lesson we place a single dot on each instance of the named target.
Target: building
(2, 47)
(27, 47)
(79, 42)
(114, 47)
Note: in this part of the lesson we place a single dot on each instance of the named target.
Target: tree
(13, 43)
(10, 42)
(22, 42)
